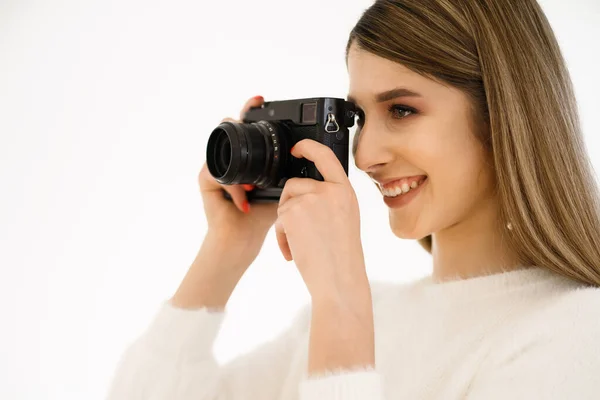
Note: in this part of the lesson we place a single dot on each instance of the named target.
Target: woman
(467, 109)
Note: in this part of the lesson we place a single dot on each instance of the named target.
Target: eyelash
(391, 109)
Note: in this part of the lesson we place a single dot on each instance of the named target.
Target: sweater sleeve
(563, 364)
(173, 359)
(358, 384)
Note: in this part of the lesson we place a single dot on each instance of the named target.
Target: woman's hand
(318, 226)
(242, 228)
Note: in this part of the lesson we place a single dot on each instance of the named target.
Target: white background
(105, 109)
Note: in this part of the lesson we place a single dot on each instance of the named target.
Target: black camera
(257, 151)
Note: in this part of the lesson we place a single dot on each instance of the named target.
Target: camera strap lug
(331, 121)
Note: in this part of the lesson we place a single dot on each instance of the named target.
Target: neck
(474, 246)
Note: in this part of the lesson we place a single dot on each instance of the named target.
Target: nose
(371, 153)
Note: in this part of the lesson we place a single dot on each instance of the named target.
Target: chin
(407, 237)
(403, 233)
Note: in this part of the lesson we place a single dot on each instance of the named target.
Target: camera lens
(223, 146)
(252, 153)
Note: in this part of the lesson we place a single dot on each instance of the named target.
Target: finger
(324, 158)
(238, 195)
(229, 120)
(256, 101)
(253, 102)
(282, 240)
(212, 189)
(295, 187)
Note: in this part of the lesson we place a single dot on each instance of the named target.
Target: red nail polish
(258, 98)
(246, 206)
(248, 187)
(292, 149)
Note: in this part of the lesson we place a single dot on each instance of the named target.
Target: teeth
(400, 189)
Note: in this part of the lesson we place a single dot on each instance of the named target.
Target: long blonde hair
(503, 54)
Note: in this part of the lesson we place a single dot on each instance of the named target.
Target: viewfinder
(309, 113)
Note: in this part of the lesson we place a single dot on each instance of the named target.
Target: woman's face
(434, 138)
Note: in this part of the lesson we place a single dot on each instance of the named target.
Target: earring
(509, 226)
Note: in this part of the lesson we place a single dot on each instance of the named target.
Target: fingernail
(292, 149)
(246, 206)
(248, 187)
(258, 98)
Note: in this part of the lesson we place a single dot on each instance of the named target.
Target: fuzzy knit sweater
(524, 334)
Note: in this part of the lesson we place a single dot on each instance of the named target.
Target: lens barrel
(239, 153)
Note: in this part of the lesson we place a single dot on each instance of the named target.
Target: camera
(257, 150)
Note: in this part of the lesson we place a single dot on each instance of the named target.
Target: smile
(400, 188)
(396, 197)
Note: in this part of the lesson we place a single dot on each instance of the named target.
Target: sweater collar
(495, 283)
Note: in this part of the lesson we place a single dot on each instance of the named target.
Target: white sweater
(526, 334)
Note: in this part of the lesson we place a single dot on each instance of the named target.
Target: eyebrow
(390, 94)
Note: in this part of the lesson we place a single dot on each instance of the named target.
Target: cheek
(460, 179)
(453, 157)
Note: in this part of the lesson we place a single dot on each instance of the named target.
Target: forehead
(370, 74)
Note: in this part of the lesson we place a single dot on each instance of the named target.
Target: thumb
(282, 241)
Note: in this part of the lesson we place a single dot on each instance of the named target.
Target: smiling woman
(475, 109)
(467, 123)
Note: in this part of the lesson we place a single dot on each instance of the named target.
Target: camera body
(257, 151)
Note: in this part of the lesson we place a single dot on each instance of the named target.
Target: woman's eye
(399, 112)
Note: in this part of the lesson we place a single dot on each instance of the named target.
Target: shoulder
(553, 354)
(563, 326)
(575, 309)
